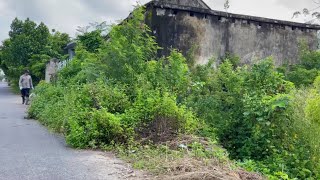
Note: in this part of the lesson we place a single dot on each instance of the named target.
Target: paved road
(29, 151)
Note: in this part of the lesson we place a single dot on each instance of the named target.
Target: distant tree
(82, 29)
(53, 49)
(226, 5)
(103, 27)
(312, 15)
(26, 39)
(57, 42)
(91, 41)
(30, 46)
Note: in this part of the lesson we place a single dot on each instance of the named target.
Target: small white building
(2, 76)
(51, 69)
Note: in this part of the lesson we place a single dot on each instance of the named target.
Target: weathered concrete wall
(51, 70)
(190, 3)
(259, 40)
(216, 33)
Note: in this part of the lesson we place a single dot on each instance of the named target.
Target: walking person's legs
(23, 95)
(27, 94)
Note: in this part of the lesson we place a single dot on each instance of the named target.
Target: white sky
(66, 15)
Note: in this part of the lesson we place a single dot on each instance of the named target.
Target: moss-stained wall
(190, 3)
(216, 33)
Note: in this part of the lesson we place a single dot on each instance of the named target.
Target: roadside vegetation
(177, 119)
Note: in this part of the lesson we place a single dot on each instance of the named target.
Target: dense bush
(122, 92)
(247, 109)
(118, 93)
(301, 76)
(305, 72)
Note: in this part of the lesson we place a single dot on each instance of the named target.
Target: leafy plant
(118, 92)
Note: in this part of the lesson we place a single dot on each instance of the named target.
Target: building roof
(71, 45)
(167, 4)
(190, 3)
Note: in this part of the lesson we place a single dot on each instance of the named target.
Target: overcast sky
(66, 15)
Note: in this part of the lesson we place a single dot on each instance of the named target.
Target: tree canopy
(30, 46)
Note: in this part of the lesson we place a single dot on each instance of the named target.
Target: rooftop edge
(231, 15)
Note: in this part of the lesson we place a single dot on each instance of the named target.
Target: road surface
(29, 151)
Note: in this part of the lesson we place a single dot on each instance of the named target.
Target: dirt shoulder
(185, 158)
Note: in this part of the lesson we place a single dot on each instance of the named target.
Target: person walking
(25, 84)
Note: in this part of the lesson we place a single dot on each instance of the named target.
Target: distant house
(54, 65)
(2, 76)
(70, 49)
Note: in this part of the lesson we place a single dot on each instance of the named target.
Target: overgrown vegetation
(305, 72)
(119, 93)
(30, 46)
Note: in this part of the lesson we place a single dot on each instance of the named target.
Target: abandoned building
(191, 24)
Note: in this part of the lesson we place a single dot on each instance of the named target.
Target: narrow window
(259, 25)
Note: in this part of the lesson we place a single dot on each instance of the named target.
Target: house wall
(51, 70)
(190, 3)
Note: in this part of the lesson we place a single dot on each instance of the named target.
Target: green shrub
(91, 41)
(100, 128)
(154, 113)
(171, 74)
(48, 105)
(310, 59)
(305, 72)
(247, 109)
(118, 93)
(302, 141)
(301, 76)
(122, 92)
(129, 47)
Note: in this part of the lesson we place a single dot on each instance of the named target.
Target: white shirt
(25, 82)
